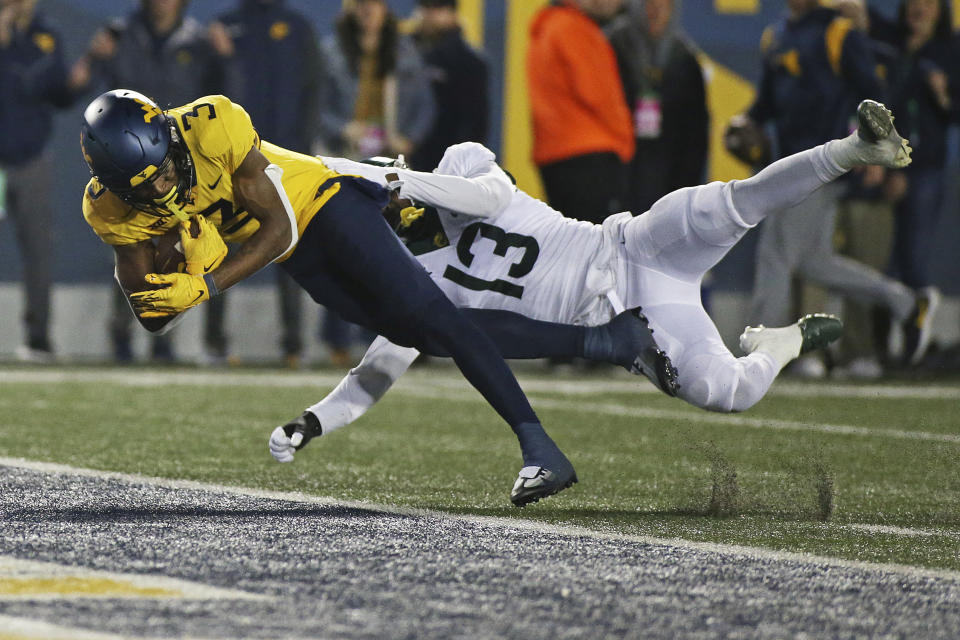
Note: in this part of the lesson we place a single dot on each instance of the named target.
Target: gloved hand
(202, 245)
(747, 141)
(179, 292)
(294, 436)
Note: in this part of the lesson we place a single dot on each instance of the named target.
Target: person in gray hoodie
(375, 99)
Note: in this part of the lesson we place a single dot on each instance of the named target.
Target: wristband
(211, 285)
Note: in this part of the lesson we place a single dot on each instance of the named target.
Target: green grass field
(803, 471)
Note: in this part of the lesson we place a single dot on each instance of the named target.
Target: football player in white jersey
(516, 253)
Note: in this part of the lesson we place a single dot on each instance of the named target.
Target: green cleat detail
(819, 330)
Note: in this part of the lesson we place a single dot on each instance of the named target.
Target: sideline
(754, 553)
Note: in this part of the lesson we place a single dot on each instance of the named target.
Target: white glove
(282, 446)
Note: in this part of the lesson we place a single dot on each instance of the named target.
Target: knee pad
(719, 384)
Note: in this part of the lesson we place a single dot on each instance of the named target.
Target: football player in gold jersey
(154, 170)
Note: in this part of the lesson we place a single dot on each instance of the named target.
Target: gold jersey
(218, 134)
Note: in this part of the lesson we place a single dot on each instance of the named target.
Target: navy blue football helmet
(128, 141)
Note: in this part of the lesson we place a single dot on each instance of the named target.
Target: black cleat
(819, 330)
(545, 471)
(917, 328)
(535, 483)
(648, 359)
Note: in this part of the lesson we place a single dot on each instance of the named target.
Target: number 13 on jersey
(503, 240)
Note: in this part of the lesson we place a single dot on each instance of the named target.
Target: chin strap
(169, 202)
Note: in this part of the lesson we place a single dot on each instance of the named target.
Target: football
(169, 256)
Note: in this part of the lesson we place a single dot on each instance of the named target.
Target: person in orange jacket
(582, 131)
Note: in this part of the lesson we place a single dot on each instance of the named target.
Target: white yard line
(21, 628)
(505, 523)
(443, 387)
(444, 378)
(904, 531)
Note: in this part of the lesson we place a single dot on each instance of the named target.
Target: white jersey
(507, 250)
(537, 268)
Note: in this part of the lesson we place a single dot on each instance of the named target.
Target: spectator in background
(816, 67)
(864, 232)
(165, 54)
(33, 82)
(277, 63)
(925, 88)
(582, 131)
(458, 76)
(664, 85)
(375, 99)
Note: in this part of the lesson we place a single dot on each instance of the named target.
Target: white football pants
(666, 252)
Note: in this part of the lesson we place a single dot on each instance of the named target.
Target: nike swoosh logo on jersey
(216, 182)
(199, 295)
(207, 268)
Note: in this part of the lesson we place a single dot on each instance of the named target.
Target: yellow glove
(203, 248)
(179, 292)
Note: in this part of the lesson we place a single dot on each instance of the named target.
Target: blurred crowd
(619, 114)
(869, 238)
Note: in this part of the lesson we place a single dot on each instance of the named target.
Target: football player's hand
(204, 249)
(178, 292)
(294, 436)
(282, 446)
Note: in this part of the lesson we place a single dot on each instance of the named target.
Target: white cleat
(877, 139)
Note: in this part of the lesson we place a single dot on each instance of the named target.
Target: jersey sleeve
(107, 216)
(225, 133)
(468, 181)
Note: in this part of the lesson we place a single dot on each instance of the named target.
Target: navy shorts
(350, 261)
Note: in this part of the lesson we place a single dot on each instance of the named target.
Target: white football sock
(781, 343)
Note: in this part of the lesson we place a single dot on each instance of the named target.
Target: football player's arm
(382, 364)
(257, 188)
(133, 263)
(484, 190)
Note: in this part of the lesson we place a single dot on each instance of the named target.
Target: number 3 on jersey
(503, 241)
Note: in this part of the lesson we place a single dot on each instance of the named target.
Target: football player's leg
(407, 307)
(621, 341)
(710, 376)
(784, 184)
(685, 233)
(689, 231)
(790, 180)
(31, 211)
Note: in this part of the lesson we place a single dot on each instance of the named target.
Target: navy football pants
(349, 260)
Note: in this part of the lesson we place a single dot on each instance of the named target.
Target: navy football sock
(539, 450)
(598, 343)
(521, 338)
(444, 330)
